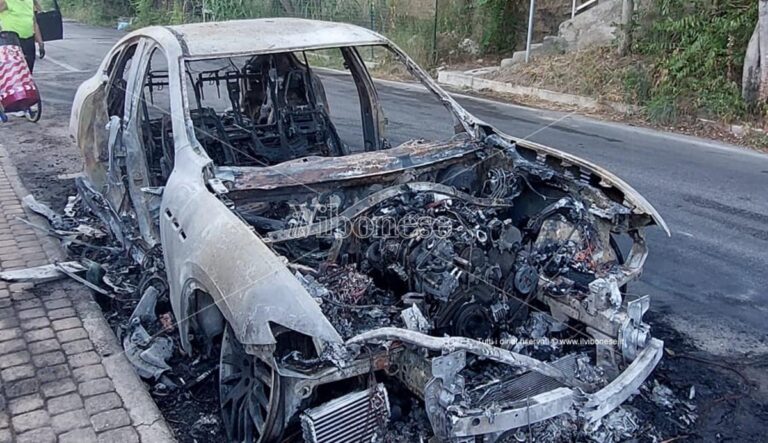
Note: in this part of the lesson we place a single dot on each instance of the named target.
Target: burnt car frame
(529, 228)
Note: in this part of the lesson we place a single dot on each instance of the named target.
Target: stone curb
(463, 80)
(145, 415)
(470, 80)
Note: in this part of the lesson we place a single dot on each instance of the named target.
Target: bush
(496, 25)
(100, 12)
(696, 50)
(638, 84)
(662, 109)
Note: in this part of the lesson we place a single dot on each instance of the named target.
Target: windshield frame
(463, 121)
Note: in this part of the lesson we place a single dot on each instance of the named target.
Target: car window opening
(266, 109)
(270, 109)
(155, 120)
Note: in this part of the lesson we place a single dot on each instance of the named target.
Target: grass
(635, 79)
(596, 72)
(96, 13)
(757, 139)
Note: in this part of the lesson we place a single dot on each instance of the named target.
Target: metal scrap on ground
(44, 273)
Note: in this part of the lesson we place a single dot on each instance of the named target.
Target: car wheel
(249, 392)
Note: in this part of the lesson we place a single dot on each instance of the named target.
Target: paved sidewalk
(59, 366)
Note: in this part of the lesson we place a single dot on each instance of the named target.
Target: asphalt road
(710, 279)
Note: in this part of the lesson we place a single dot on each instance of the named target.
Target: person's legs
(28, 47)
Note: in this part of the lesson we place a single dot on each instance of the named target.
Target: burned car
(355, 265)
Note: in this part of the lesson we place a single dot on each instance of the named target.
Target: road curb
(739, 131)
(145, 415)
(463, 80)
(467, 81)
(51, 248)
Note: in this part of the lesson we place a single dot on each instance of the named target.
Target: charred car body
(342, 278)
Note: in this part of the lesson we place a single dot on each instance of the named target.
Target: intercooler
(353, 418)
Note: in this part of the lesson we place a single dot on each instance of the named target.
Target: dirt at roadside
(44, 155)
(597, 72)
(600, 73)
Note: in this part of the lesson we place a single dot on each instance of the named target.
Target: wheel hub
(248, 391)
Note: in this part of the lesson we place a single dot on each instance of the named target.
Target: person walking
(18, 16)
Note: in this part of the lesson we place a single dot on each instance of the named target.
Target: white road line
(63, 65)
(38, 73)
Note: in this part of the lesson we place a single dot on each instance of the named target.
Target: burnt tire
(250, 394)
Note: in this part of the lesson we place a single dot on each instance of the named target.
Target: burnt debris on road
(135, 302)
(691, 394)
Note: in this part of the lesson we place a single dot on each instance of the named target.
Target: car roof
(269, 35)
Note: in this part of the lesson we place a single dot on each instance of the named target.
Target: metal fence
(431, 31)
(411, 24)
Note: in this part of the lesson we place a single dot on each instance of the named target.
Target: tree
(755, 75)
(625, 37)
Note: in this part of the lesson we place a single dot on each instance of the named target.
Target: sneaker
(18, 113)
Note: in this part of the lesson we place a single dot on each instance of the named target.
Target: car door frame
(210, 250)
(99, 133)
(146, 200)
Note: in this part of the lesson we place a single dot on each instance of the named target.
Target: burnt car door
(148, 139)
(99, 120)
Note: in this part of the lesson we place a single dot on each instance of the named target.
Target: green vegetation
(686, 62)
(686, 59)
(414, 25)
(102, 12)
(693, 53)
(496, 25)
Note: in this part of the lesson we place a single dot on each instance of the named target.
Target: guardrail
(579, 8)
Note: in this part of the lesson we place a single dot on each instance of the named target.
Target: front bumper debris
(590, 407)
(543, 391)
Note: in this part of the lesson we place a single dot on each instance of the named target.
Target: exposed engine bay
(446, 283)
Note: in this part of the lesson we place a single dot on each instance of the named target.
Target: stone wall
(594, 27)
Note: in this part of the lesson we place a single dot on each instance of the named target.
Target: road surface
(709, 280)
